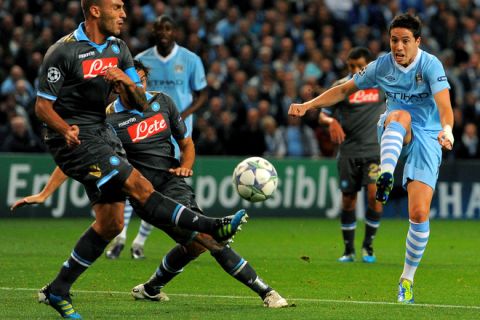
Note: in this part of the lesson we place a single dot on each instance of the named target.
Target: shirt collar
(80, 35)
(411, 65)
(119, 107)
(170, 55)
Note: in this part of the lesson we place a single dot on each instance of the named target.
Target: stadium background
(259, 57)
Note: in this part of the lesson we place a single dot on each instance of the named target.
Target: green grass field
(295, 256)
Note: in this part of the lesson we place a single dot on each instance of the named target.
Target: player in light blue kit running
(179, 73)
(417, 124)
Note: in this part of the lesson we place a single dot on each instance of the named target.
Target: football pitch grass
(297, 257)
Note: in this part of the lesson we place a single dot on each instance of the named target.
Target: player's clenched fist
(116, 75)
(445, 138)
(297, 109)
(71, 136)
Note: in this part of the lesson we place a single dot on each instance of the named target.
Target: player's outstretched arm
(330, 97)
(56, 179)
(187, 151)
(445, 137)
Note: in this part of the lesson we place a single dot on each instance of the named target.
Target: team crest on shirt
(53, 74)
(114, 161)
(418, 78)
(155, 106)
(115, 49)
(178, 68)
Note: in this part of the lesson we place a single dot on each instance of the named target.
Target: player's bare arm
(199, 101)
(54, 182)
(445, 137)
(187, 150)
(330, 97)
(134, 95)
(45, 112)
(337, 135)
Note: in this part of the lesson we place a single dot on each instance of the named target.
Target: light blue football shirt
(178, 75)
(408, 88)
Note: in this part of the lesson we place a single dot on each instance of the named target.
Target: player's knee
(208, 243)
(138, 187)
(349, 201)
(401, 116)
(418, 214)
(109, 230)
(194, 249)
(373, 203)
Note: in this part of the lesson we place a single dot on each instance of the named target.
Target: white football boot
(274, 300)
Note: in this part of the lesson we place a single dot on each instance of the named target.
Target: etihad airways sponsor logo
(147, 128)
(164, 83)
(365, 96)
(96, 67)
(406, 97)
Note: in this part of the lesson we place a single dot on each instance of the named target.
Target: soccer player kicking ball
(146, 138)
(75, 81)
(416, 125)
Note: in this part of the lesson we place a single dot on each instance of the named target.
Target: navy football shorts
(99, 162)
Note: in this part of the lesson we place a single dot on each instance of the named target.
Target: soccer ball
(255, 179)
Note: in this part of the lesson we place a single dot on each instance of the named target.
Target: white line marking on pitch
(446, 306)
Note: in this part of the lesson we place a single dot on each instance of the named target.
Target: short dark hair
(409, 22)
(86, 4)
(360, 52)
(165, 18)
(141, 67)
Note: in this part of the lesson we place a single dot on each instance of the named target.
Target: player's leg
(139, 242)
(372, 223)
(172, 265)
(90, 246)
(116, 246)
(96, 164)
(374, 210)
(396, 133)
(174, 262)
(156, 208)
(419, 200)
(242, 270)
(350, 183)
(348, 226)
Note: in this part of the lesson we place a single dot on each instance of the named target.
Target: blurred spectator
(274, 138)
(20, 139)
(300, 138)
(21, 93)
(208, 143)
(8, 85)
(250, 139)
(468, 147)
(276, 47)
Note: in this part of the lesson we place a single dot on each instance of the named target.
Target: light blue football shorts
(422, 156)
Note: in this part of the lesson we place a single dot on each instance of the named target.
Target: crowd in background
(259, 56)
